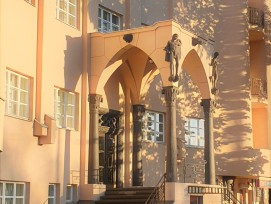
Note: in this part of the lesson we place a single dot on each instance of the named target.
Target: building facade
(89, 99)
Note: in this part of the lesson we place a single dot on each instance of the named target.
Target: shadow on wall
(73, 62)
(232, 123)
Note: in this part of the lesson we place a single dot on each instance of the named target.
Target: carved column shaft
(93, 159)
(210, 175)
(171, 139)
(138, 113)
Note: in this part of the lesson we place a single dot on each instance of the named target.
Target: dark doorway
(109, 148)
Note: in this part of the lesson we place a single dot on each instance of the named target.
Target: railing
(258, 87)
(158, 193)
(228, 196)
(256, 17)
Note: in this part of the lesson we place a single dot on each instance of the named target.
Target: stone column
(93, 155)
(210, 176)
(170, 93)
(138, 113)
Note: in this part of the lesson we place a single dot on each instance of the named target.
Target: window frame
(53, 196)
(197, 136)
(58, 104)
(68, 13)
(101, 20)
(9, 91)
(157, 124)
(71, 191)
(3, 195)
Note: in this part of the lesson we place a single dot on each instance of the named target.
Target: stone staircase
(133, 195)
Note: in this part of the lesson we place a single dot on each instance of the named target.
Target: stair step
(130, 201)
(139, 196)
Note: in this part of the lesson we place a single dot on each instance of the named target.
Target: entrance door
(108, 146)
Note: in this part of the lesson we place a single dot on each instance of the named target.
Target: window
(17, 95)
(52, 194)
(66, 11)
(153, 126)
(69, 194)
(194, 132)
(65, 108)
(12, 193)
(108, 21)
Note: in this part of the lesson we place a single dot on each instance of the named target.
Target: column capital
(170, 93)
(138, 112)
(95, 99)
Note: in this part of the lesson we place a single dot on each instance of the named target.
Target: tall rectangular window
(17, 95)
(108, 21)
(65, 109)
(66, 11)
(52, 194)
(12, 193)
(153, 129)
(69, 194)
(194, 132)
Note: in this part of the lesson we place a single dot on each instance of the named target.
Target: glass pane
(70, 110)
(73, 2)
(19, 189)
(115, 28)
(106, 15)
(99, 24)
(193, 123)
(1, 189)
(201, 132)
(161, 118)
(62, 16)
(51, 201)
(23, 110)
(150, 136)
(13, 80)
(71, 99)
(63, 4)
(24, 84)
(23, 97)
(115, 19)
(69, 193)
(70, 122)
(72, 9)
(161, 127)
(14, 94)
(9, 189)
(9, 201)
(100, 13)
(193, 131)
(159, 137)
(106, 26)
(19, 200)
(51, 190)
(72, 21)
(201, 123)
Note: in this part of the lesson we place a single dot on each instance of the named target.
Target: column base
(91, 192)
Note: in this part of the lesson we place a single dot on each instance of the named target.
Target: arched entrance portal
(120, 72)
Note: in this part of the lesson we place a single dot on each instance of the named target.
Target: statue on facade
(173, 55)
(213, 78)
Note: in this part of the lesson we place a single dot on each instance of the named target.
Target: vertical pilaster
(138, 113)
(170, 93)
(208, 107)
(93, 159)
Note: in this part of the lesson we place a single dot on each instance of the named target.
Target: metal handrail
(258, 87)
(228, 193)
(158, 193)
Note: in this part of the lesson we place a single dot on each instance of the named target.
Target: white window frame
(3, 197)
(102, 21)
(17, 92)
(54, 193)
(69, 193)
(150, 134)
(67, 12)
(194, 132)
(62, 104)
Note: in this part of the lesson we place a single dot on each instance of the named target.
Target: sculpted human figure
(214, 76)
(173, 55)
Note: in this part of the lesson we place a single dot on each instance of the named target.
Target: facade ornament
(213, 78)
(128, 38)
(170, 93)
(94, 101)
(173, 55)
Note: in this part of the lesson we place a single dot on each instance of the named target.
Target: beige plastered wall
(59, 162)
